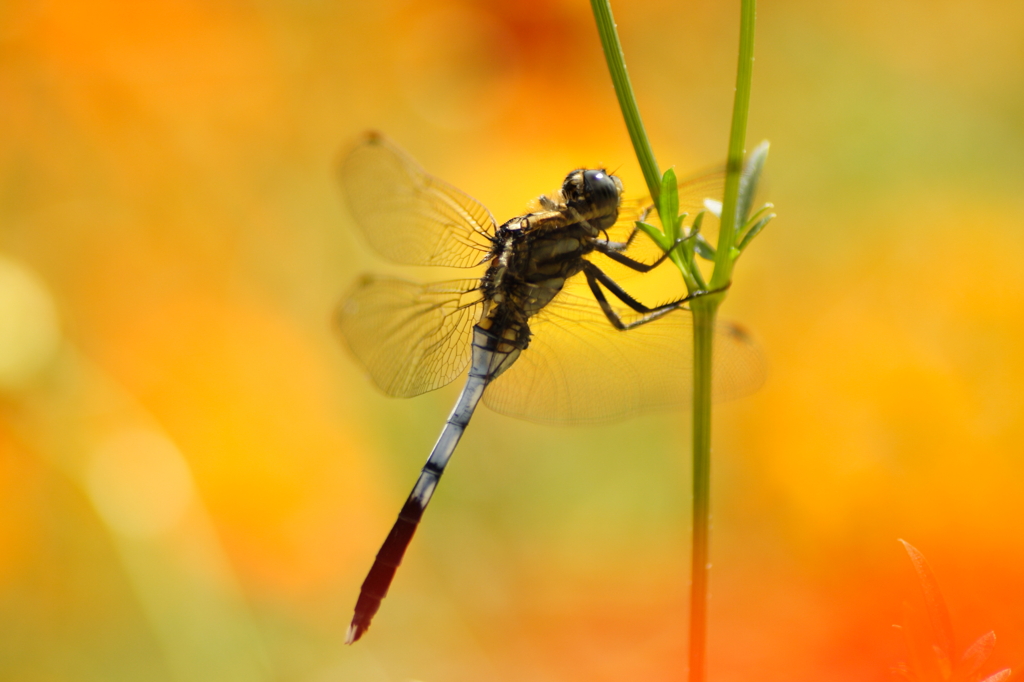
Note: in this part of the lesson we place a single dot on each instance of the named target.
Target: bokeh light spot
(29, 333)
(140, 483)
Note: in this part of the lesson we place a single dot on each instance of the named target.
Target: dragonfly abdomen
(492, 355)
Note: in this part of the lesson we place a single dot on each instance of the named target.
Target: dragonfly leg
(547, 203)
(622, 246)
(613, 251)
(596, 277)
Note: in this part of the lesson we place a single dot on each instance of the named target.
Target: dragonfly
(547, 334)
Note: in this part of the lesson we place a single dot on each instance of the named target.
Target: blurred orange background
(194, 476)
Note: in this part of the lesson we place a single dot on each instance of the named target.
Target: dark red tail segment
(377, 582)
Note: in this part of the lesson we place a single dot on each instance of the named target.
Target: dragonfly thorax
(534, 254)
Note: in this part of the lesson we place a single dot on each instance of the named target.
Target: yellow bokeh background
(194, 476)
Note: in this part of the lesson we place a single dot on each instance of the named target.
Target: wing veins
(408, 215)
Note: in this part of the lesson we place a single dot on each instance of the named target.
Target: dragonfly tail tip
(353, 634)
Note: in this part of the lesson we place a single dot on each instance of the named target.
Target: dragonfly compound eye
(598, 184)
(592, 188)
(601, 188)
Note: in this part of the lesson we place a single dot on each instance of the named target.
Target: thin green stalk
(624, 91)
(737, 139)
(705, 310)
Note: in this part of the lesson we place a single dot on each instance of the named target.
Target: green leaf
(668, 205)
(748, 181)
(704, 249)
(680, 219)
(698, 223)
(754, 230)
(758, 214)
(938, 614)
(656, 235)
(977, 654)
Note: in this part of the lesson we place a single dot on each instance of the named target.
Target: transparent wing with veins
(411, 338)
(580, 369)
(693, 192)
(409, 216)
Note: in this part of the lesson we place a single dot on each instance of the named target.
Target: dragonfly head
(588, 190)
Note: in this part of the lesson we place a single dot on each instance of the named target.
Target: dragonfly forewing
(409, 216)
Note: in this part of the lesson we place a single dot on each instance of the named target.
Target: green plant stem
(705, 311)
(624, 91)
(737, 139)
(705, 308)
